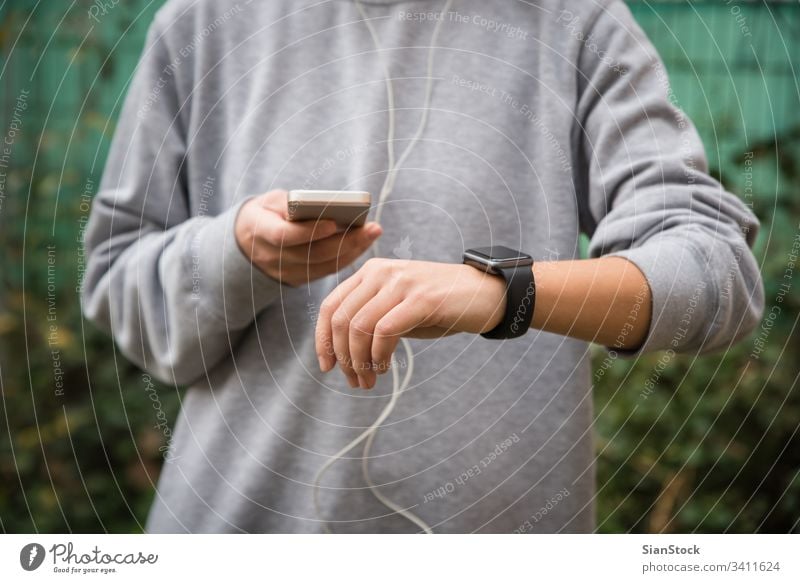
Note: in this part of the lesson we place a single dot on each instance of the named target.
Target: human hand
(363, 319)
(295, 253)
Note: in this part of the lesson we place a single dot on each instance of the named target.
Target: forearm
(605, 300)
(175, 300)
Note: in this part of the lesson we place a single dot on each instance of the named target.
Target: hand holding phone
(296, 252)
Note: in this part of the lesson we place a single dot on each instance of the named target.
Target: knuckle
(272, 237)
(416, 297)
(398, 281)
(327, 306)
(376, 263)
(384, 328)
(421, 299)
(340, 321)
(273, 198)
(360, 326)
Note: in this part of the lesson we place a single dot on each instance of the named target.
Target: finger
(325, 250)
(362, 327)
(341, 324)
(323, 334)
(400, 321)
(310, 272)
(282, 233)
(275, 200)
(270, 228)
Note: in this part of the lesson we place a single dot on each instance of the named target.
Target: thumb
(275, 201)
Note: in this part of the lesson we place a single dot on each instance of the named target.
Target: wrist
(224, 282)
(513, 269)
(244, 229)
(486, 300)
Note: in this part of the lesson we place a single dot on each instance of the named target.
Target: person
(544, 121)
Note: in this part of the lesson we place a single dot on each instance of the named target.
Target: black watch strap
(520, 301)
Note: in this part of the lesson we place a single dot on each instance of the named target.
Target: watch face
(499, 253)
(496, 256)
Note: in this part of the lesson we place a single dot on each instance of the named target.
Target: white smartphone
(348, 208)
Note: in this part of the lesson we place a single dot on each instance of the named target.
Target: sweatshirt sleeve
(173, 289)
(649, 198)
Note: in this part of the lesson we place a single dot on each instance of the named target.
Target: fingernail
(374, 233)
(321, 364)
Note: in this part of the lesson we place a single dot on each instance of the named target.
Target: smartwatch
(515, 268)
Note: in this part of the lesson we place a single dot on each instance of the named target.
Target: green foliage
(81, 449)
(714, 447)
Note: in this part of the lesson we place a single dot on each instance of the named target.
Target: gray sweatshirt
(548, 119)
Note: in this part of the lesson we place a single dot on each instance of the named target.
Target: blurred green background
(714, 448)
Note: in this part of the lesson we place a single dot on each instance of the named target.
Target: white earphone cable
(388, 185)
